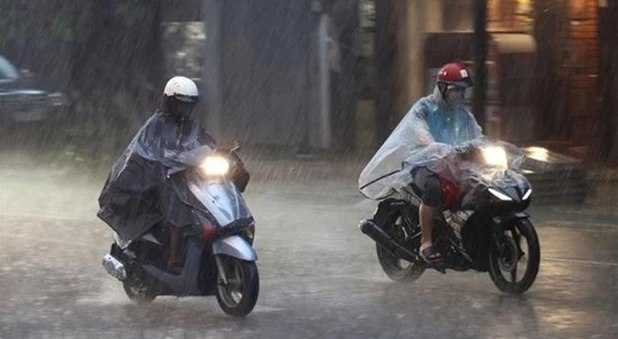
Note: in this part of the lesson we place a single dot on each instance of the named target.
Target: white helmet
(181, 88)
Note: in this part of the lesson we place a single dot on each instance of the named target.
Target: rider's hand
(469, 153)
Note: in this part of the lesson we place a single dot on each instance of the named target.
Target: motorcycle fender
(508, 217)
(385, 206)
(512, 216)
(521, 215)
(236, 247)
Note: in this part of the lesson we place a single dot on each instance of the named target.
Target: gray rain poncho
(138, 194)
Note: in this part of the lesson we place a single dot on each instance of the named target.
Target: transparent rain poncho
(426, 137)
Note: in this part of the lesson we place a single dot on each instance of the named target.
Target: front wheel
(510, 254)
(239, 293)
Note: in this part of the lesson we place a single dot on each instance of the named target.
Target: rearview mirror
(237, 146)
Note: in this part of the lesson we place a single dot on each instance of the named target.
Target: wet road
(319, 275)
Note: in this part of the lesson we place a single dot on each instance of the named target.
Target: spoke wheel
(514, 265)
(396, 268)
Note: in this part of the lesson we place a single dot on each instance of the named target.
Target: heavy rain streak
(308, 169)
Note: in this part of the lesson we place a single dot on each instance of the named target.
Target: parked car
(21, 101)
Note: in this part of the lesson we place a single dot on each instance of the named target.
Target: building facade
(543, 63)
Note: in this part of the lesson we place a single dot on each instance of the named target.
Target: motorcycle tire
(139, 295)
(391, 265)
(242, 276)
(525, 229)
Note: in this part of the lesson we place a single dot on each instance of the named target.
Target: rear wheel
(138, 294)
(396, 268)
(519, 252)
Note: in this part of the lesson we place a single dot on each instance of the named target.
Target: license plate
(29, 116)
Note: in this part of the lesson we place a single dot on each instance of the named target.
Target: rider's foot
(429, 253)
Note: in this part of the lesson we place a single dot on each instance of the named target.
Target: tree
(117, 66)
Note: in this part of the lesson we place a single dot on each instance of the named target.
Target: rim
(514, 256)
(232, 293)
(398, 234)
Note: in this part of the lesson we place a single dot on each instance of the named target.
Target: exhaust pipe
(374, 232)
(114, 267)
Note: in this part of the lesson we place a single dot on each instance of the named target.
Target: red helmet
(455, 74)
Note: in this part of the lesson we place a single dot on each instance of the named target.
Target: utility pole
(324, 80)
(608, 80)
(480, 56)
(212, 69)
(385, 49)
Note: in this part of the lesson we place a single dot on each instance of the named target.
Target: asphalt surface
(319, 275)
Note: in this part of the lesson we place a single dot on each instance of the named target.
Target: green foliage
(10, 28)
(111, 57)
(62, 27)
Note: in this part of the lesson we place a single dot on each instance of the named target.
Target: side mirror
(237, 147)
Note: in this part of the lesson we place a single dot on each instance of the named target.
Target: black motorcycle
(484, 229)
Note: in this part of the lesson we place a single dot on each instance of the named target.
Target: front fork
(220, 269)
(233, 246)
(499, 228)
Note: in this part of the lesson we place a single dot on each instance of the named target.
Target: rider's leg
(426, 214)
(431, 196)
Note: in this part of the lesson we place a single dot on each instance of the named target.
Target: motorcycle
(480, 230)
(218, 259)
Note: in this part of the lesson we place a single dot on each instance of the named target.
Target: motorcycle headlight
(495, 156)
(499, 195)
(527, 194)
(215, 165)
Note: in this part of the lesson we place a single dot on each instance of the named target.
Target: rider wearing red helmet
(452, 81)
(446, 121)
(423, 139)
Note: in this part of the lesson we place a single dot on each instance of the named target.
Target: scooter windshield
(220, 197)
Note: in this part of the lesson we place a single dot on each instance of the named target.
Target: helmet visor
(185, 109)
(187, 98)
(465, 83)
